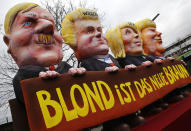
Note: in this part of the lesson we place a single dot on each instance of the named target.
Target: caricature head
(81, 29)
(124, 39)
(152, 42)
(31, 36)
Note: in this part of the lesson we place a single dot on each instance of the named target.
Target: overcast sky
(174, 21)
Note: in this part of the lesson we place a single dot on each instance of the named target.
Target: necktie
(109, 61)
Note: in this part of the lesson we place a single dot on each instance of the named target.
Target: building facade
(178, 48)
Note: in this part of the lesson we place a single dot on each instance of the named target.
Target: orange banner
(73, 103)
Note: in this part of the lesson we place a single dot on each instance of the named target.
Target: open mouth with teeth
(45, 39)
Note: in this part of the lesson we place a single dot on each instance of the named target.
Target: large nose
(44, 26)
(98, 34)
(159, 33)
(136, 35)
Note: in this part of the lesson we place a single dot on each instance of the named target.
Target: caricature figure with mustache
(35, 44)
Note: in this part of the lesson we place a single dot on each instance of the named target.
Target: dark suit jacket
(152, 58)
(93, 64)
(136, 60)
(31, 71)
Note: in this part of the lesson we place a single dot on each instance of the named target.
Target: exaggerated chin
(39, 59)
(135, 52)
(103, 50)
(138, 52)
(48, 58)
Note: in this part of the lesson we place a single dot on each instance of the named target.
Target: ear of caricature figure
(6, 40)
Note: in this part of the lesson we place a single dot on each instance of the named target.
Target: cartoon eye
(27, 23)
(90, 30)
(127, 32)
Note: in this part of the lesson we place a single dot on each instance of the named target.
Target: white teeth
(45, 39)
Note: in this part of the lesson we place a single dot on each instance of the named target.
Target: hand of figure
(158, 61)
(111, 69)
(183, 62)
(147, 63)
(48, 74)
(77, 71)
(170, 58)
(130, 67)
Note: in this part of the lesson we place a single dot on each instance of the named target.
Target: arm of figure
(170, 58)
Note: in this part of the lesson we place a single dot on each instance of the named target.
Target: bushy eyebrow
(30, 15)
(48, 17)
(89, 27)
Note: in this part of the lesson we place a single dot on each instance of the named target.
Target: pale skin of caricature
(25, 44)
(34, 40)
(91, 43)
(152, 41)
(90, 39)
(132, 42)
(132, 46)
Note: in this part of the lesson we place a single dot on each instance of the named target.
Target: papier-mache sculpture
(82, 30)
(151, 38)
(152, 45)
(125, 43)
(34, 43)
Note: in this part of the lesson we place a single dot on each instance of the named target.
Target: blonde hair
(68, 32)
(115, 39)
(11, 14)
(144, 24)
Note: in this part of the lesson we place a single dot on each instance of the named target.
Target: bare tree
(1, 25)
(8, 69)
